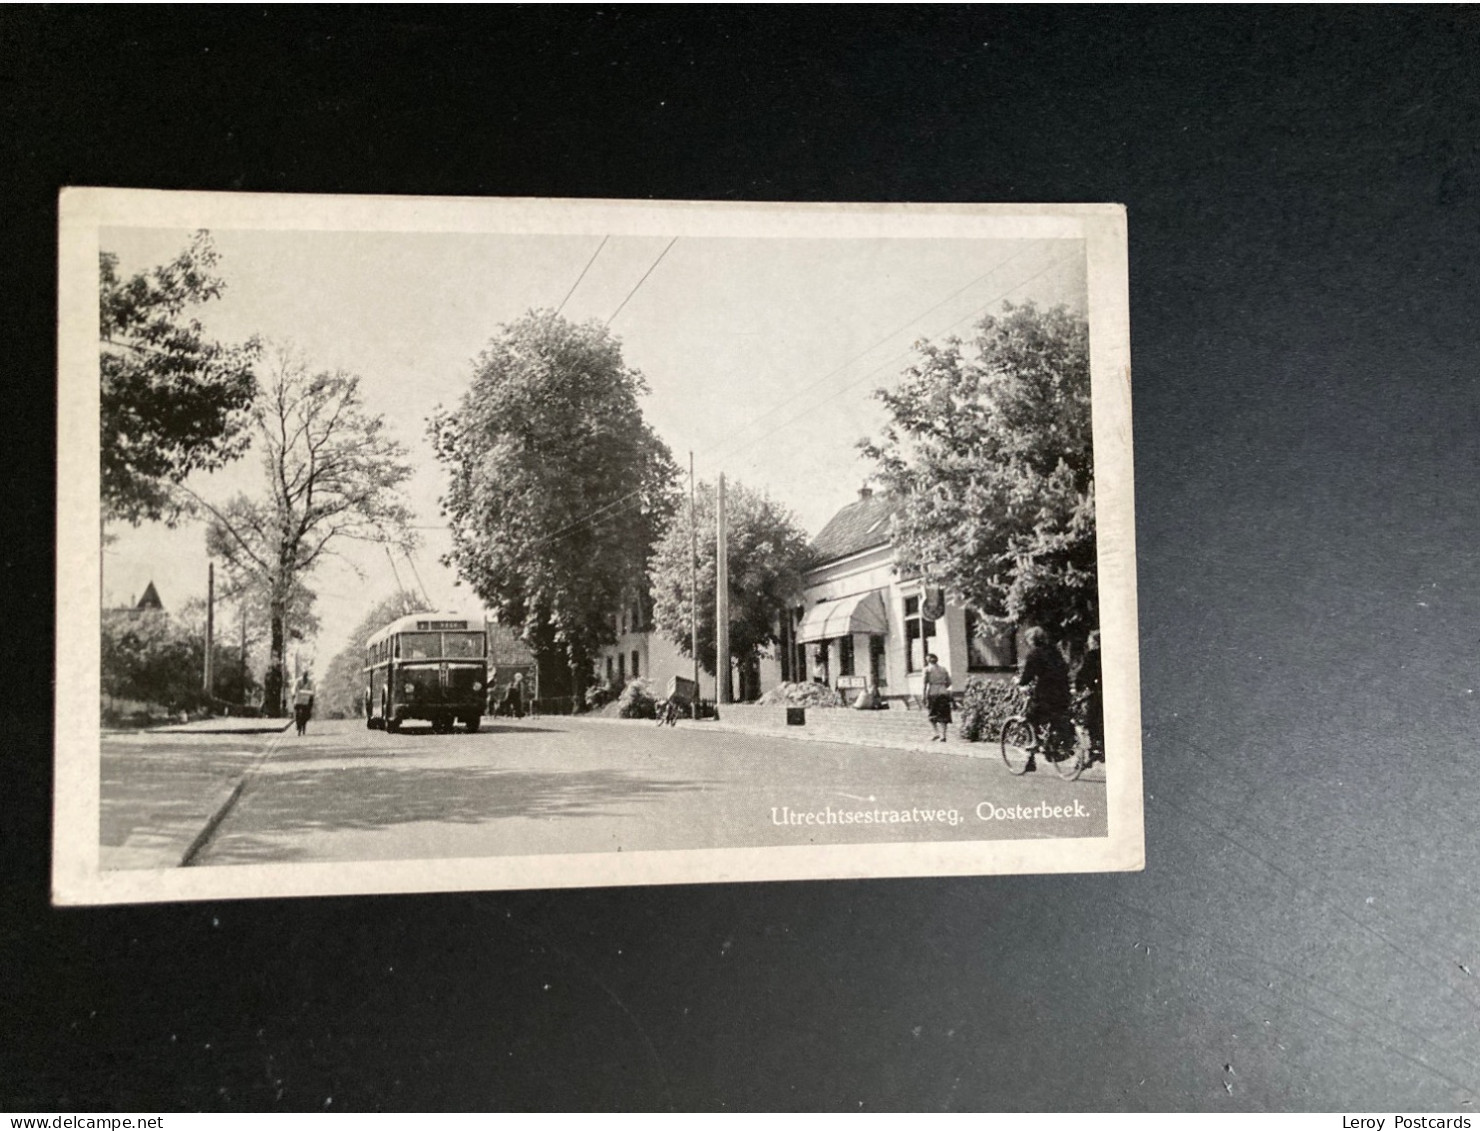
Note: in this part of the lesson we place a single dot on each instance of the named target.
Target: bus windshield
(421, 645)
(462, 645)
(441, 645)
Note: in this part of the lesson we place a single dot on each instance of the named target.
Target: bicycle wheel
(1018, 743)
(1069, 760)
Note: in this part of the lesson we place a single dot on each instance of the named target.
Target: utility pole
(722, 600)
(210, 681)
(244, 650)
(693, 587)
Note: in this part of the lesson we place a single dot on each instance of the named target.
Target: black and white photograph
(417, 544)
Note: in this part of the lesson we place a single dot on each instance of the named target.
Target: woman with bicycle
(1046, 676)
(1087, 681)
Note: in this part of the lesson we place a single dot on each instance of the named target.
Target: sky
(761, 356)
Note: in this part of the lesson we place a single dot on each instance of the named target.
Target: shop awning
(863, 612)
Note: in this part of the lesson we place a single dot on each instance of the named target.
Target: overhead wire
(425, 596)
(731, 450)
(582, 275)
(395, 572)
(643, 280)
(631, 499)
(805, 389)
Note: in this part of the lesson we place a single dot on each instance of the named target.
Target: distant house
(638, 651)
(861, 620)
(148, 603)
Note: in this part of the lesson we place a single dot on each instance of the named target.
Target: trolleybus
(430, 666)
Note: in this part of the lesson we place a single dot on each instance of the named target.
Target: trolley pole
(722, 600)
(693, 587)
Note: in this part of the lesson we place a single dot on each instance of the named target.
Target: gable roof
(150, 599)
(859, 526)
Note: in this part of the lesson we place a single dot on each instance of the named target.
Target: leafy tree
(332, 474)
(233, 681)
(767, 554)
(150, 657)
(172, 402)
(991, 452)
(557, 488)
(343, 681)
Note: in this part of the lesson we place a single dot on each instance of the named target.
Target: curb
(223, 810)
(795, 734)
(189, 728)
(213, 822)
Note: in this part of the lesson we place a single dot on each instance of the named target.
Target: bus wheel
(473, 722)
(392, 726)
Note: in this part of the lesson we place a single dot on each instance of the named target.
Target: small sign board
(852, 682)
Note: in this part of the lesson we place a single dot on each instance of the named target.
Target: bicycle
(1021, 740)
(671, 710)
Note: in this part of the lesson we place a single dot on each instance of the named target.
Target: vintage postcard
(419, 544)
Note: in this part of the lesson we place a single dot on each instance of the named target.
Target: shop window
(845, 656)
(918, 632)
(636, 672)
(990, 644)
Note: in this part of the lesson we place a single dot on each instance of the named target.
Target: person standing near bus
(514, 700)
(302, 704)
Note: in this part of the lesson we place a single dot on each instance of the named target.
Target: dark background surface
(1304, 244)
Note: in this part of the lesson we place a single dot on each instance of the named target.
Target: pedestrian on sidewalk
(937, 697)
(303, 704)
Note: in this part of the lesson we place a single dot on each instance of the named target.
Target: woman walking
(937, 697)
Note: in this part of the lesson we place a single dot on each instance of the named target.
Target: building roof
(859, 526)
(150, 599)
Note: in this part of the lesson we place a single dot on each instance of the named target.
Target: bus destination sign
(433, 625)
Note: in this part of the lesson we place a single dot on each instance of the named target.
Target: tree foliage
(767, 554)
(557, 488)
(343, 682)
(991, 452)
(331, 472)
(172, 402)
(150, 657)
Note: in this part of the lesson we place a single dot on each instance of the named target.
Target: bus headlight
(410, 688)
(477, 685)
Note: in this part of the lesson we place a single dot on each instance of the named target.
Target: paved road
(565, 785)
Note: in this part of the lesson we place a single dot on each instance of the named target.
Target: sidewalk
(158, 802)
